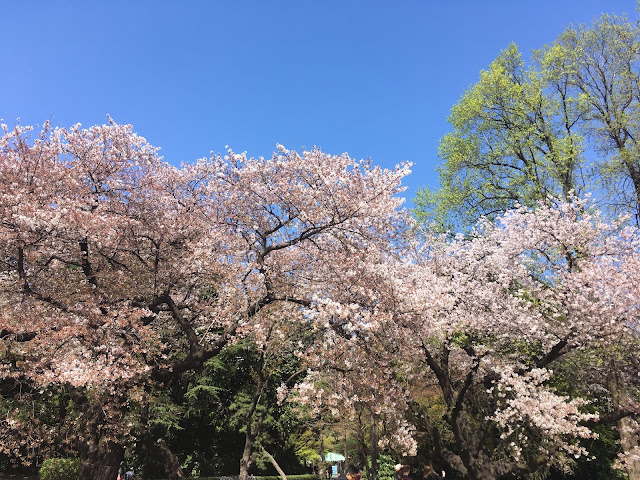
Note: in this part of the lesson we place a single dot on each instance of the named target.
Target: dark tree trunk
(245, 460)
(99, 446)
(253, 428)
(172, 469)
(100, 456)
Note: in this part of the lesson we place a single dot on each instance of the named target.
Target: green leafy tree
(567, 124)
(512, 141)
(601, 71)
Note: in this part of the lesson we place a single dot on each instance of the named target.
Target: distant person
(430, 474)
(405, 471)
(124, 475)
(351, 472)
(398, 472)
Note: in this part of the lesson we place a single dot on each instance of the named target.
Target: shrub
(59, 469)
(386, 467)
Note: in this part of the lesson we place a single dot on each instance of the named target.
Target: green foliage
(165, 415)
(59, 469)
(203, 415)
(386, 467)
(507, 146)
(305, 446)
(551, 129)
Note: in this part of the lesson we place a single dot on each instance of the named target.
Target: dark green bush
(59, 469)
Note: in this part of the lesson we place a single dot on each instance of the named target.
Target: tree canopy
(121, 272)
(566, 124)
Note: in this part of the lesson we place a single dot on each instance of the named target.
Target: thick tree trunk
(476, 462)
(253, 428)
(99, 456)
(172, 468)
(245, 460)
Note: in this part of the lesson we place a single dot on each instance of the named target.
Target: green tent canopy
(333, 457)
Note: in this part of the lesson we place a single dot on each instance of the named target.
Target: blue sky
(372, 78)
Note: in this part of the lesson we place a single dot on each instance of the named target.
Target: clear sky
(372, 78)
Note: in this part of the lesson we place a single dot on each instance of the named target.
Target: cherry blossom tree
(121, 271)
(488, 317)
